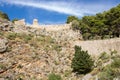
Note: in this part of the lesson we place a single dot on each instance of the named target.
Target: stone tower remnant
(20, 22)
(35, 22)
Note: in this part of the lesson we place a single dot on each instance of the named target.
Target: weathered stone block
(20, 22)
(3, 45)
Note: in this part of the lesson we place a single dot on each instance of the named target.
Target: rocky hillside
(33, 54)
(29, 53)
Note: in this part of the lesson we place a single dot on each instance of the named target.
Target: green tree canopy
(71, 18)
(100, 26)
(4, 15)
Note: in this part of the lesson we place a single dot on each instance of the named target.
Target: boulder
(3, 45)
(6, 26)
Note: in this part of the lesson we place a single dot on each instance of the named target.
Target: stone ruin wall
(96, 47)
(59, 27)
(45, 27)
(50, 27)
(20, 22)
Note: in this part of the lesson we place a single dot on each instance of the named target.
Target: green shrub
(14, 20)
(2, 66)
(27, 38)
(116, 63)
(11, 36)
(1, 33)
(82, 62)
(67, 73)
(75, 25)
(53, 76)
(23, 36)
(104, 57)
(57, 47)
(107, 75)
(114, 54)
(111, 71)
(41, 38)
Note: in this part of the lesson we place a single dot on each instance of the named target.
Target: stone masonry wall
(20, 22)
(96, 47)
(52, 27)
(45, 27)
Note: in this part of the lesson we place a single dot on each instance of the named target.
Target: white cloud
(65, 7)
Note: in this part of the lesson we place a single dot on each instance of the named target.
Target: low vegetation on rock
(54, 77)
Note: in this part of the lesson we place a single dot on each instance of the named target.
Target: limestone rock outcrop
(6, 26)
(3, 45)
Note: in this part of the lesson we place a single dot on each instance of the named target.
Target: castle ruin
(63, 32)
(36, 24)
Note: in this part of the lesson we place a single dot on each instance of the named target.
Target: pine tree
(82, 62)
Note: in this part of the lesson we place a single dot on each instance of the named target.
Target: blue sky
(53, 11)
